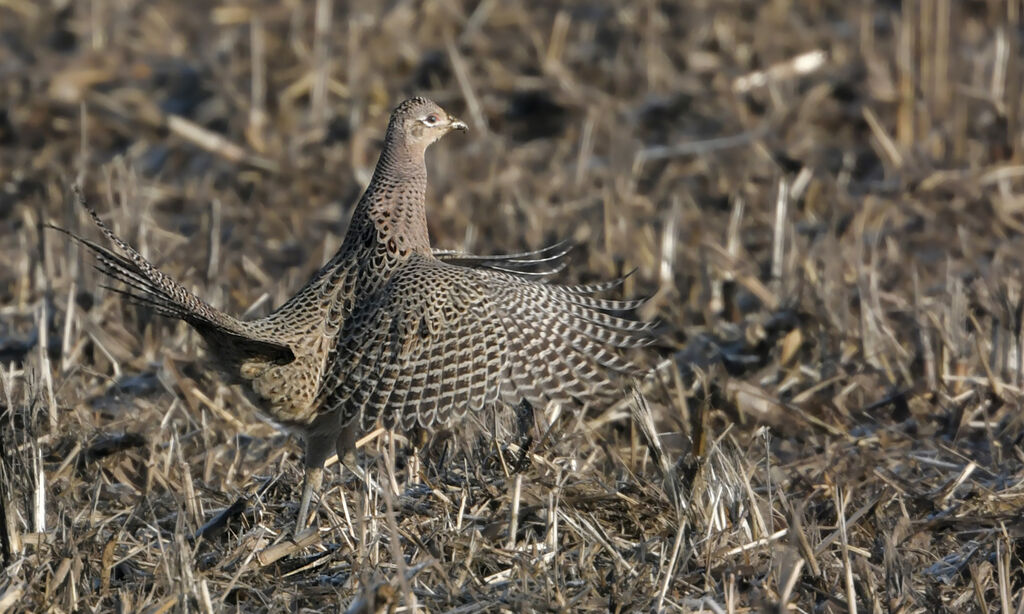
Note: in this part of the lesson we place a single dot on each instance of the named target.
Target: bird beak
(455, 123)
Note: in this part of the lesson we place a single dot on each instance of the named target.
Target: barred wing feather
(439, 339)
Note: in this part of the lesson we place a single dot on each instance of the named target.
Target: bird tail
(147, 285)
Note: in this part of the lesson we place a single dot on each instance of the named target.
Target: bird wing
(439, 339)
(542, 262)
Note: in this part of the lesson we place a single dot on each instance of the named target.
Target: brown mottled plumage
(389, 331)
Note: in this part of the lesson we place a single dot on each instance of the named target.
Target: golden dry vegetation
(822, 198)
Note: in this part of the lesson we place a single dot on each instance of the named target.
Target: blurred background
(823, 199)
(627, 127)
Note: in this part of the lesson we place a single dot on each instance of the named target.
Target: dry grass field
(824, 199)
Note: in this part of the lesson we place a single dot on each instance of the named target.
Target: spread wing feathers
(537, 263)
(553, 256)
(441, 339)
(151, 287)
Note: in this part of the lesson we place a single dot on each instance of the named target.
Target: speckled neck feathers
(392, 211)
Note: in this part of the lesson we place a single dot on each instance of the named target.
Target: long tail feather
(150, 286)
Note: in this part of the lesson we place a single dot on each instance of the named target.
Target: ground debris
(819, 198)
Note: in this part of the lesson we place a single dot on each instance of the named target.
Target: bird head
(418, 122)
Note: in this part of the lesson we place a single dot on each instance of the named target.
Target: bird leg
(318, 448)
(345, 446)
(314, 477)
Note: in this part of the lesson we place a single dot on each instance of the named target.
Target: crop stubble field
(821, 199)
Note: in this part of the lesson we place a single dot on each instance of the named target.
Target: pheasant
(394, 333)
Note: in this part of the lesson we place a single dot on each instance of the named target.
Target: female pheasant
(389, 331)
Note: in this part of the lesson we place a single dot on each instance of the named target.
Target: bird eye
(431, 119)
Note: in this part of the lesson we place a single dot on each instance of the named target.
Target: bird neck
(392, 211)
